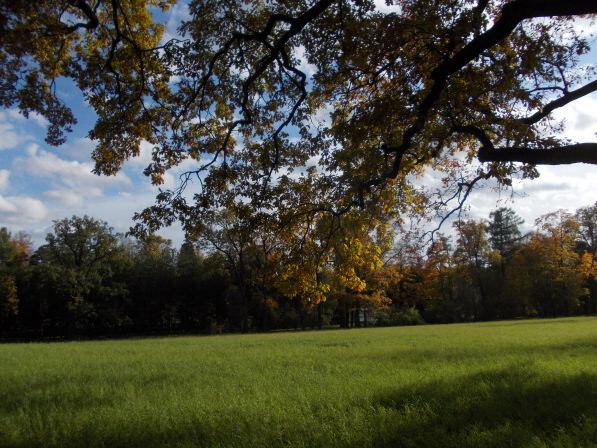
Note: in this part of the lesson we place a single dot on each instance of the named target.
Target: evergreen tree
(504, 231)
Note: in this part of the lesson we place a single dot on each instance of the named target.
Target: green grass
(510, 384)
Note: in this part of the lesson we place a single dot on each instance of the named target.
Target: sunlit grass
(523, 383)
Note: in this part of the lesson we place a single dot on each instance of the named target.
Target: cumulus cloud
(15, 115)
(12, 127)
(79, 150)
(11, 138)
(323, 117)
(6, 206)
(304, 65)
(562, 187)
(144, 158)
(4, 175)
(67, 197)
(68, 174)
(579, 118)
(19, 209)
(585, 26)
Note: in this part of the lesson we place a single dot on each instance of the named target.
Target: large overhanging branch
(512, 14)
(559, 155)
(88, 11)
(562, 155)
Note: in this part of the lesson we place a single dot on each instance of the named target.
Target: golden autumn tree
(14, 254)
(546, 275)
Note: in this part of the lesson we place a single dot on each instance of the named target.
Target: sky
(40, 183)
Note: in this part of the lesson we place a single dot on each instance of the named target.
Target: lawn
(515, 383)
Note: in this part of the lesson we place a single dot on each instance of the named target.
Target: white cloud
(323, 117)
(68, 177)
(38, 119)
(6, 206)
(567, 187)
(79, 150)
(585, 26)
(29, 208)
(117, 210)
(31, 149)
(67, 197)
(304, 65)
(9, 137)
(12, 122)
(19, 209)
(4, 176)
(579, 118)
(144, 158)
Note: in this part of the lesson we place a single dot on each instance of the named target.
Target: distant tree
(151, 284)
(14, 273)
(546, 270)
(505, 238)
(196, 310)
(14, 251)
(473, 256)
(225, 233)
(504, 230)
(9, 302)
(472, 245)
(587, 222)
(438, 285)
(76, 265)
(587, 246)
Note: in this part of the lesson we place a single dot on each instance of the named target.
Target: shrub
(404, 316)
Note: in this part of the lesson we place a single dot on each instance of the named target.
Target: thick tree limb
(576, 153)
(513, 13)
(476, 132)
(89, 13)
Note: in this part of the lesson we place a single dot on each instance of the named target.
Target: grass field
(516, 383)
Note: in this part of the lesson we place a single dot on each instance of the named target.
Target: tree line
(89, 281)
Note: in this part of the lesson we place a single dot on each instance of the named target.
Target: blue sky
(40, 183)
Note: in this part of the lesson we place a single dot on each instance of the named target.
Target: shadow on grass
(509, 408)
(515, 407)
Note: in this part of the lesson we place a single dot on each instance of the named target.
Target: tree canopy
(307, 113)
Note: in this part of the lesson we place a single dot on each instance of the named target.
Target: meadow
(529, 383)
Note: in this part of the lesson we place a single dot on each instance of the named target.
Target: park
(298, 223)
(528, 383)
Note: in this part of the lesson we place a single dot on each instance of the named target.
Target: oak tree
(307, 111)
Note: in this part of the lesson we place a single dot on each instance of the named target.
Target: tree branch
(512, 14)
(89, 13)
(560, 102)
(576, 153)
